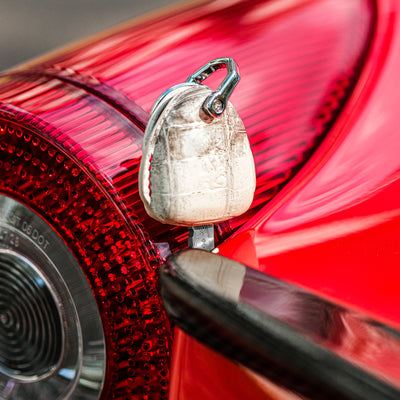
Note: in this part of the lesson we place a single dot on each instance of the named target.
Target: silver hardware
(201, 237)
(215, 104)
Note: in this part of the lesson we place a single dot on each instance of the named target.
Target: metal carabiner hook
(215, 104)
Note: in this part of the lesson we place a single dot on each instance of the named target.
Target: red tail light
(64, 176)
(70, 145)
(299, 62)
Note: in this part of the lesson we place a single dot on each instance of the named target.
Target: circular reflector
(51, 337)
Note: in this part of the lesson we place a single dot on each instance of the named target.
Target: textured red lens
(68, 190)
(298, 62)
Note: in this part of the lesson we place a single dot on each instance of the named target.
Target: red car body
(320, 100)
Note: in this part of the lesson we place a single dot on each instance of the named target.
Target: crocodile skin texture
(195, 169)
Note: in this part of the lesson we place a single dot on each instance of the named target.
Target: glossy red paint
(335, 227)
(199, 372)
(92, 102)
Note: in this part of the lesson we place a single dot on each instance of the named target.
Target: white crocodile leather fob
(197, 166)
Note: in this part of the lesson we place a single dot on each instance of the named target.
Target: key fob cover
(196, 169)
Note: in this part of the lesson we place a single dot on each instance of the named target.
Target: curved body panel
(334, 228)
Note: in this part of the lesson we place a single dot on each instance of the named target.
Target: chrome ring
(52, 341)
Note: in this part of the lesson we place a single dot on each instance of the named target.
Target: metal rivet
(218, 106)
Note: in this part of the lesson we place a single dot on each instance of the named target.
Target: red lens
(299, 62)
(63, 175)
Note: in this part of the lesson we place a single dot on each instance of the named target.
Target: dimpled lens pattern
(120, 270)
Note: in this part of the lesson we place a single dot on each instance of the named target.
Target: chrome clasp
(215, 104)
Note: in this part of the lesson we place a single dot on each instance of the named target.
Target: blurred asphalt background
(29, 28)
